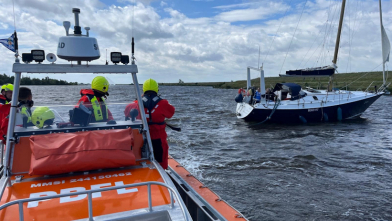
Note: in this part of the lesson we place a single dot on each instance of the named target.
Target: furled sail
(386, 45)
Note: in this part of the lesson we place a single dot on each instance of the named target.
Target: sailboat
(289, 103)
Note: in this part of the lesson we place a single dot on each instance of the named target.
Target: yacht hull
(312, 113)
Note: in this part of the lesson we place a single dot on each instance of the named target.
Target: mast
(382, 51)
(335, 56)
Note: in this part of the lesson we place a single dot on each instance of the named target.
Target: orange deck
(75, 207)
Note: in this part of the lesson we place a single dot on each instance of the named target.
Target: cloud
(163, 4)
(170, 45)
(145, 2)
(255, 12)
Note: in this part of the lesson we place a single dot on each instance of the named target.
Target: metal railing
(90, 202)
(382, 88)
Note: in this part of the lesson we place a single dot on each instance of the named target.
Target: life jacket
(3, 100)
(27, 112)
(150, 101)
(100, 109)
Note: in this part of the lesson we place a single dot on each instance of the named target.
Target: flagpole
(15, 36)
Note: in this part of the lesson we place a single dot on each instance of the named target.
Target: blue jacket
(257, 95)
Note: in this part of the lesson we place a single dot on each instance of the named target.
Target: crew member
(95, 97)
(24, 107)
(129, 108)
(241, 91)
(156, 109)
(257, 95)
(6, 93)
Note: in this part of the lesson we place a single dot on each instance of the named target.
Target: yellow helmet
(150, 85)
(100, 83)
(7, 87)
(42, 116)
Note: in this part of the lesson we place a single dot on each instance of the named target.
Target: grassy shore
(354, 81)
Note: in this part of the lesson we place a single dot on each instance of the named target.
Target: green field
(354, 81)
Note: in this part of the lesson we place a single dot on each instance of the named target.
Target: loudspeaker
(51, 57)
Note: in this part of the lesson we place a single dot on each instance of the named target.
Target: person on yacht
(257, 95)
(156, 109)
(94, 99)
(24, 107)
(6, 93)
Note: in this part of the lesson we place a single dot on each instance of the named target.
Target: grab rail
(90, 202)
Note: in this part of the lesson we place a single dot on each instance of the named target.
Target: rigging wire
(315, 39)
(326, 28)
(351, 38)
(362, 76)
(293, 36)
(328, 36)
(277, 32)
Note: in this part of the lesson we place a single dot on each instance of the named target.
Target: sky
(204, 40)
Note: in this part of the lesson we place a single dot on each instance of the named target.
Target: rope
(269, 117)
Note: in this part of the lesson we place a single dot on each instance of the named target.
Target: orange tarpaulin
(81, 151)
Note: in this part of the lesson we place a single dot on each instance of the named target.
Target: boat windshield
(43, 119)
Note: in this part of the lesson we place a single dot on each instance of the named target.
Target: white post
(262, 82)
(11, 124)
(248, 79)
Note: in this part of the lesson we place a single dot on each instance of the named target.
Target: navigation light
(38, 55)
(115, 57)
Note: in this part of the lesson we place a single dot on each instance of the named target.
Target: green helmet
(100, 83)
(150, 85)
(42, 116)
(7, 87)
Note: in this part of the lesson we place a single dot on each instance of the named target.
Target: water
(327, 171)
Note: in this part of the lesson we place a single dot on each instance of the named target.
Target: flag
(9, 42)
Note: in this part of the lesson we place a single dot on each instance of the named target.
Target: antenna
(87, 29)
(67, 25)
(77, 28)
(133, 51)
(107, 57)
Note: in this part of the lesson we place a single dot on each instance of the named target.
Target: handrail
(90, 202)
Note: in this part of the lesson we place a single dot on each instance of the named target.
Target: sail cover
(386, 46)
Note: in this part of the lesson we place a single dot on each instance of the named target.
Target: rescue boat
(82, 170)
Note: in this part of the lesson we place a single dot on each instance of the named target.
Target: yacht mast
(382, 46)
(335, 56)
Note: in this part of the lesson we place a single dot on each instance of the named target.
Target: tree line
(4, 79)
